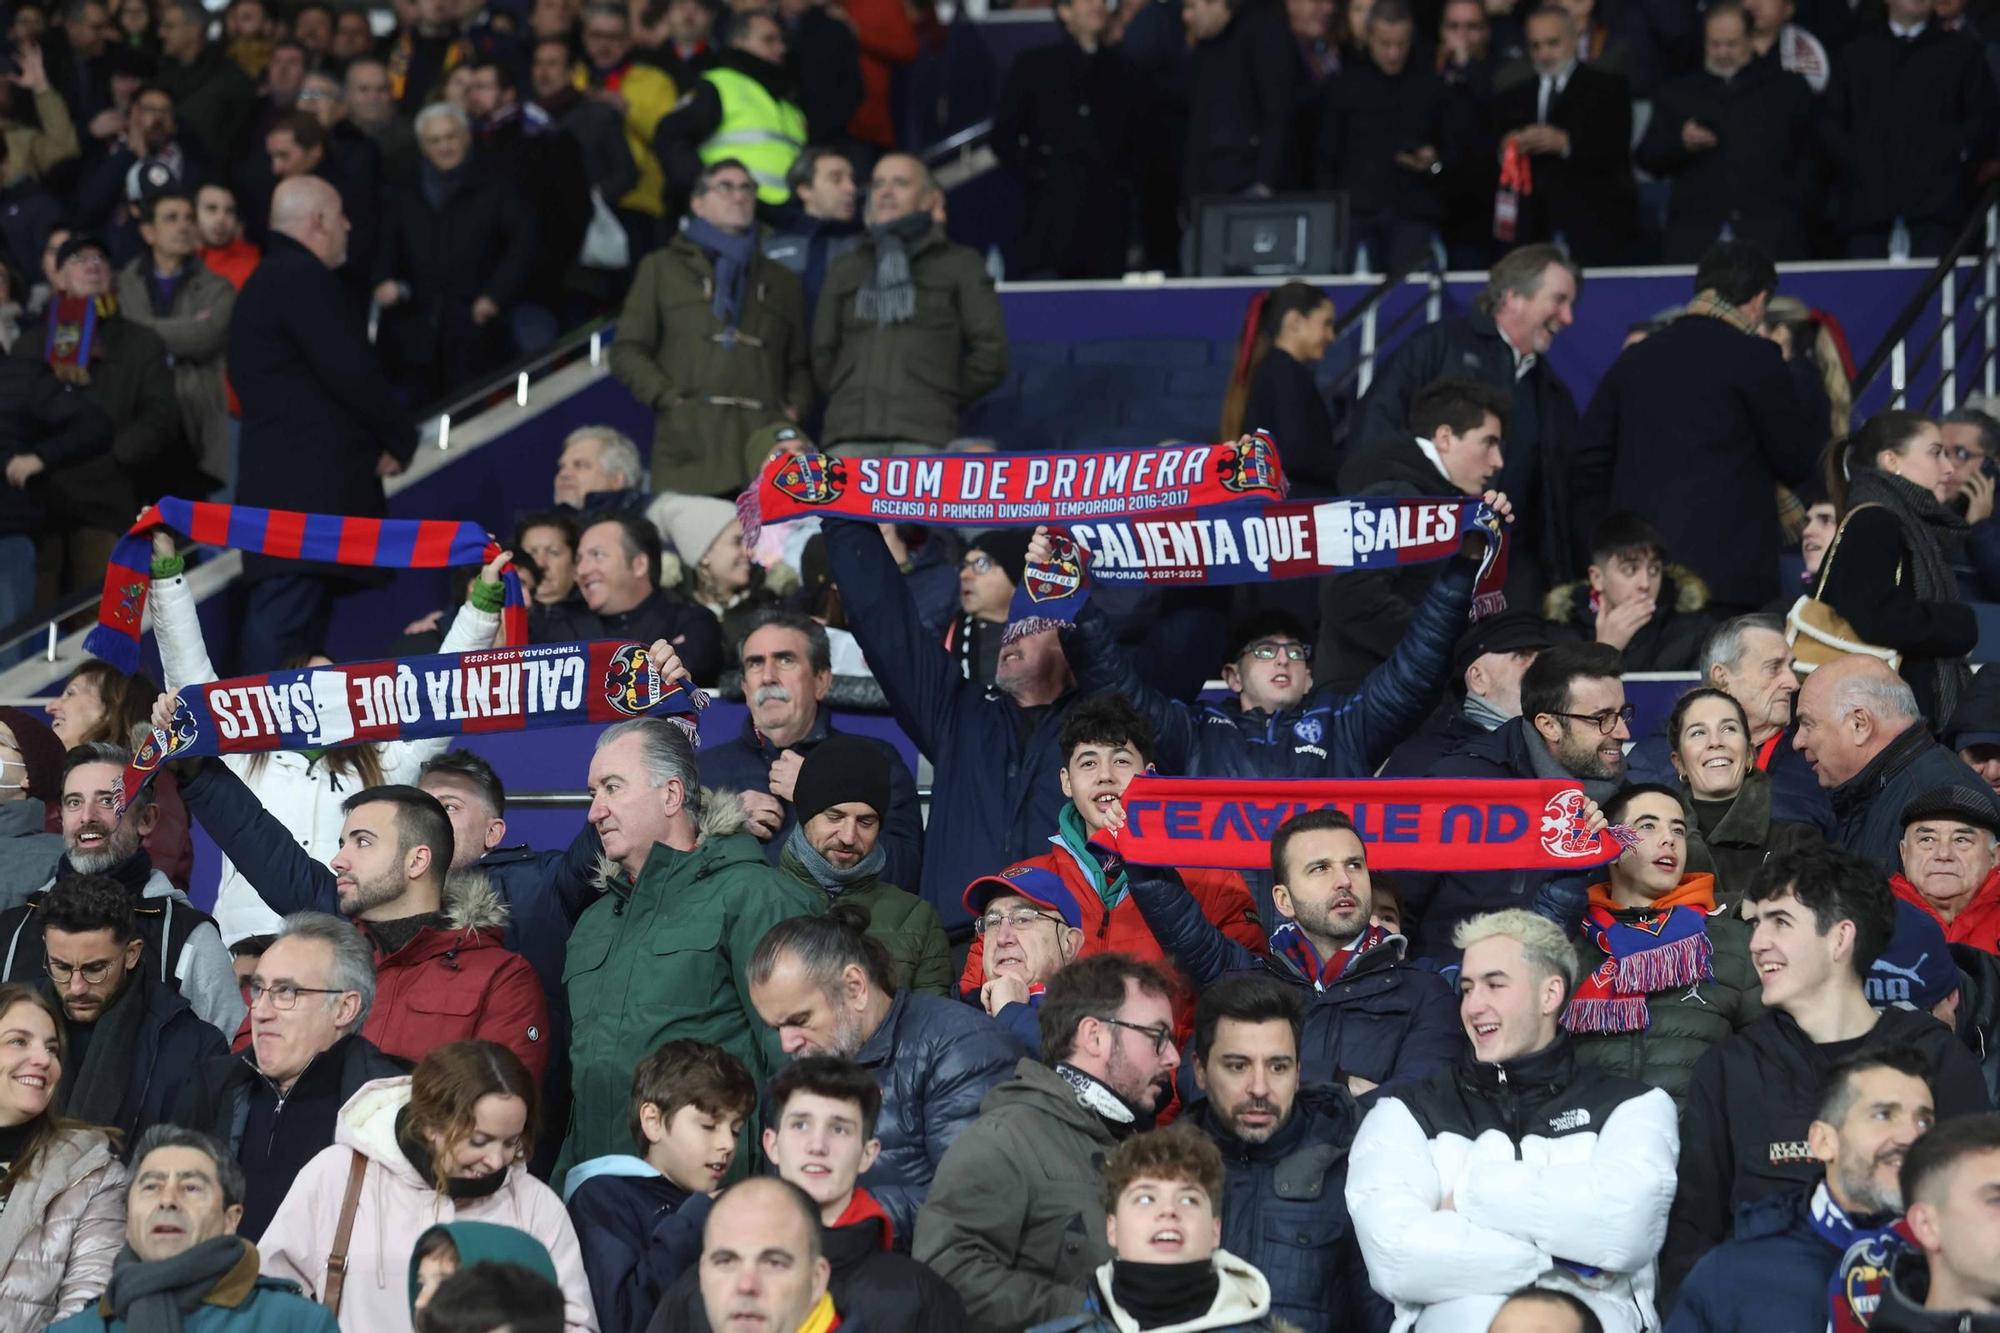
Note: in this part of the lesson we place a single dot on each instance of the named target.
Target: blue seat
(1162, 352)
(1026, 356)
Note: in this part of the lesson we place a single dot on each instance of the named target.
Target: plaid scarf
(1292, 943)
(386, 543)
(1647, 950)
(1867, 1252)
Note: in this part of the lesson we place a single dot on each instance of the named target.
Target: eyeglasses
(978, 564)
(92, 973)
(1606, 721)
(1020, 918)
(1961, 455)
(284, 996)
(733, 187)
(1159, 1036)
(1268, 652)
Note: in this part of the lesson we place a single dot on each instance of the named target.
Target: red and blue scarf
(1867, 1253)
(1291, 943)
(1660, 949)
(384, 543)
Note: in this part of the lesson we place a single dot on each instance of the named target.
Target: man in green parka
(663, 953)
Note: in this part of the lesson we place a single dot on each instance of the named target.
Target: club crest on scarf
(812, 478)
(1059, 576)
(1565, 827)
(166, 742)
(1250, 466)
(631, 685)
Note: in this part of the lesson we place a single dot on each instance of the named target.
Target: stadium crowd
(775, 1041)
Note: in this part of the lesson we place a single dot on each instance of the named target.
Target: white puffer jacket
(59, 1232)
(303, 795)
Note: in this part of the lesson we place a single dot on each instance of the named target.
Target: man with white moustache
(787, 671)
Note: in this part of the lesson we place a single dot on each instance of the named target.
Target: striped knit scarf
(1660, 948)
(1291, 942)
(386, 543)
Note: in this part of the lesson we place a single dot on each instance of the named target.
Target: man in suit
(1736, 139)
(321, 426)
(1574, 123)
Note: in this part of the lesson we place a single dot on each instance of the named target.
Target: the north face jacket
(1558, 1175)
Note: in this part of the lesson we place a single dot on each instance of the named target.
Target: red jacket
(1977, 925)
(1221, 894)
(459, 983)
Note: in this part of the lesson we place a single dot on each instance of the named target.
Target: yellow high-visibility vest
(758, 130)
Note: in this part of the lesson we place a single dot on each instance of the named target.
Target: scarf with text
(1661, 948)
(1868, 1249)
(1256, 543)
(446, 694)
(1291, 942)
(1426, 824)
(384, 543)
(1011, 490)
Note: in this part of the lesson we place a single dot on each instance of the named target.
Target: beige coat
(196, 332)
(59, 1232)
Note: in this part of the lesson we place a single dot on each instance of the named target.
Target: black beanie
(1007, 548)
(840, 769)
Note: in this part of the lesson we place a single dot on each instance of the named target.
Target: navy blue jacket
(1868, 807)
(935, 1060)
(1445, 732)
(318, 413)
(1382, 1020)
(997, 793)
(1329, 734)
(172, 1041)
(1284, 1212)
(744, 764)
(638, 1234)
(1770, 1278)
(1796, 796)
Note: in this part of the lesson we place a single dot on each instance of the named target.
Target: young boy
(639, 1218)
(1162, 1204)
(1647, 609)
(820, 1113)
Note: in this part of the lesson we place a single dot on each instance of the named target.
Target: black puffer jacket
(1670, 641)
(1284, 1211)
(936, 1060)
(1902, 1309)
(1743, 1126)
(1744, 838)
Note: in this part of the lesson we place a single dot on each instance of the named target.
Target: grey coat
(26, 851)
(196, 332)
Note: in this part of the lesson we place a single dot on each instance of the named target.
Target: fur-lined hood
(472, 903)
(718, 815)
(1570, 602)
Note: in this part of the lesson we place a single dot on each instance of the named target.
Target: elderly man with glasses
(274, 1106)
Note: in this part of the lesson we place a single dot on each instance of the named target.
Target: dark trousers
(283, 617)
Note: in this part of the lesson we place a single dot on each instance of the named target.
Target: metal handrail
(1972, 238)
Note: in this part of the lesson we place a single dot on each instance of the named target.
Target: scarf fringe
(1668, 967)
(1625, 1013)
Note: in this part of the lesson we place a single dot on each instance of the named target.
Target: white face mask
(7, 781)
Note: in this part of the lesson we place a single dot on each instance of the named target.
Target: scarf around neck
(1868, 1248)
(97, 1092)
(1099, 861)
(1485, 714)
(889, 296)
(1930, 530)
(822, 1318)
(456, 1188)
(731, 255)
(1709, 304)
(1549, 768)
(437, 185)
(824, 872)
(1290, 941)
(1646, 951)
(1160, 1295)
(1094, 1097)
(153, 1297)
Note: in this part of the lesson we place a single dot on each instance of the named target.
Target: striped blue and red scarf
(1291, 942)
(382, 543)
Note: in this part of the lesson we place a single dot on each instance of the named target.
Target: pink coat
(59, 1232)
(397, 1206)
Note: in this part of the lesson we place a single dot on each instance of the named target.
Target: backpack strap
(336, 1261)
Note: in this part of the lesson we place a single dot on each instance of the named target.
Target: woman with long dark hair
(62, 1191)
(1285, 334)
(448, 1143)
(1888, 571)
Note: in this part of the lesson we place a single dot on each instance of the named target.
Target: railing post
(1991, 264)
(1896, 374)
(1434, 303)
(1367, 375)
(1948, 344)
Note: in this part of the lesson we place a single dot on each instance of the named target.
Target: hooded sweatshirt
(397, 1205)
